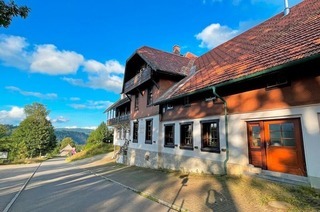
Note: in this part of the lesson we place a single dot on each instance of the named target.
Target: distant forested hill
(79, 135)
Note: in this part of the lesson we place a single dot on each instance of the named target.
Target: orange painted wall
(300, 92)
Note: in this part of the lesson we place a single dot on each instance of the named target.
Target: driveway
(58, 186)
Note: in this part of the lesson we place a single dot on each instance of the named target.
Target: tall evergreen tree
(35, 134)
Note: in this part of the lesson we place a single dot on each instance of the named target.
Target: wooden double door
(277, 145)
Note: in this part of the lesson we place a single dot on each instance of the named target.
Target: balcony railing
(137, 80)
(119, 120)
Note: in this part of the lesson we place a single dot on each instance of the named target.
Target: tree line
(35, 136)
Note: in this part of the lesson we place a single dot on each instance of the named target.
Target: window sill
(148, 142)
(186, 147)
(135, 141)
(169, 146)
(208, 149)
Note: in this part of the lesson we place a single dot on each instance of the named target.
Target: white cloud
(110, 66)
(215, 34)
(60, 119)
(93, 105)
(101, 76)
(12, 51)
(13, 116)
(47, 59)
(74, 99)
(30, 93)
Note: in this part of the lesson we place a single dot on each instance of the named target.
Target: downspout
(225, 127)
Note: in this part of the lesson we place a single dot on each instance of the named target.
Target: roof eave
(243, 78)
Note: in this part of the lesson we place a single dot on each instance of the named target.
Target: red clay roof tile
(164, 61)
(275, 42)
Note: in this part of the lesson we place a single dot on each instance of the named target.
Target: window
(282, 134)
(169, 135)
(148, 132)
(186, 141)
(136, 102)
(210, 136)
(119, 133)
(150, 96)
(186, 101)
(135, 132)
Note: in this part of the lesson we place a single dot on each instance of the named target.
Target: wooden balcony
(118, 120)
(137, 80)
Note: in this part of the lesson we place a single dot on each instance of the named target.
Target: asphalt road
(58, 186)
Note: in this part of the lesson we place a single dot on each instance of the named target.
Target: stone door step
(277, 176)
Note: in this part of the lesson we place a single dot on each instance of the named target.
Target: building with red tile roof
(278, 42)
(248, 106)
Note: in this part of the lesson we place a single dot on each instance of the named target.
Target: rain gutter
(250, 76)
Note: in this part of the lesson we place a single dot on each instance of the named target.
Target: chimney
(176, 50)
(286, 7)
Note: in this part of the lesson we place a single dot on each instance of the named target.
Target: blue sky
(70, 55)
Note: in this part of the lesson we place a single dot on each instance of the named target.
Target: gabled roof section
(164, 61)
(277, 42)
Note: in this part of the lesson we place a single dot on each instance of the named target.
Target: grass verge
(23, 161)
(91, 150)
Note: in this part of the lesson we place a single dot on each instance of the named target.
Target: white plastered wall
(119, 139)
(237, 136)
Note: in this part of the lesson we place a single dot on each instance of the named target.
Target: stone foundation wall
(190, 164)
(149, 159)
(142, 158)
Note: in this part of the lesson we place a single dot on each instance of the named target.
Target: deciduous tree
(10, 10)
(3, 130)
